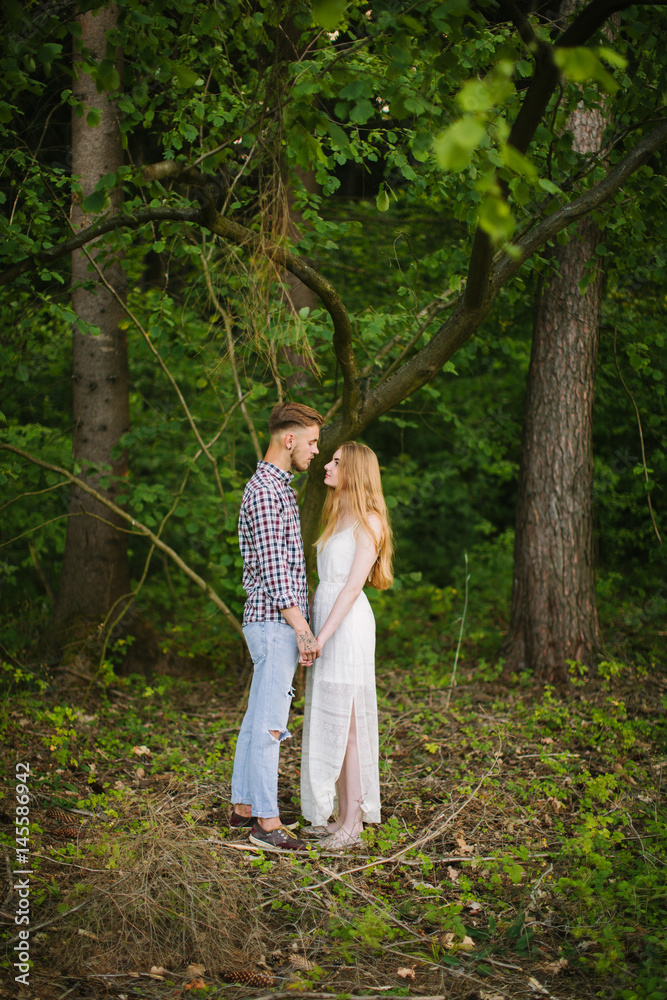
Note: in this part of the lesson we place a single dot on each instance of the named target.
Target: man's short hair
(285, 416)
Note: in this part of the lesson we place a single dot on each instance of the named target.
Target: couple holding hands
(340, 785)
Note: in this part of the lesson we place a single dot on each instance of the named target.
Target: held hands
(308, 646)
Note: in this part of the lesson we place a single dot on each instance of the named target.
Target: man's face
(304, 446)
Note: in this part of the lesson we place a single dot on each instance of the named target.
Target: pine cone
(247, 977)
(68, 832)
(55, 812)
(301, 963)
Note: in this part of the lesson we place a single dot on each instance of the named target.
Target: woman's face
(331, 470)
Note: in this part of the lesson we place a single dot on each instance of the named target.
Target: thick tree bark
(95, 571)
(554, 616)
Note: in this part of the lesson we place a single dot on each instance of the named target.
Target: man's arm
(306, 641)
(268, 529)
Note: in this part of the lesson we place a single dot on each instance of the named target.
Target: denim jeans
(274, 653)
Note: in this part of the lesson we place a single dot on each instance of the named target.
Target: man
(275, 620)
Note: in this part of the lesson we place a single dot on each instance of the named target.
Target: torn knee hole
(278, 735)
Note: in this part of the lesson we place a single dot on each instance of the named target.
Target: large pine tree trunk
(95, 571)
(554, 616)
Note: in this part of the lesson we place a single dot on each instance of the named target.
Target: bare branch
(232, 359)
(138, 527)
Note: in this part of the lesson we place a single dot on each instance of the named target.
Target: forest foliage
(400, 115)
(376, 159)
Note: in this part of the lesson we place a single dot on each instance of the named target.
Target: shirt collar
(273, 470)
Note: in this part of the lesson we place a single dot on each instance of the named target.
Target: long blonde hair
(359, 494)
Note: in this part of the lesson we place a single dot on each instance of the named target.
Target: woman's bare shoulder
(375, 524)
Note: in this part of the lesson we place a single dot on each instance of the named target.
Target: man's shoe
(236, 822)
(280, 839)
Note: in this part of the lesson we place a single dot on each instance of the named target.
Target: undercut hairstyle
(359, 493)
(287, 416)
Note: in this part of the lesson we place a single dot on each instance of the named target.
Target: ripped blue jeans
(274, 653)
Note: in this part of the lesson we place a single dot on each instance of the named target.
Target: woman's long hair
(359, 494)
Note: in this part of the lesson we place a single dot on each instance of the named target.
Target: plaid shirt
(274, 568)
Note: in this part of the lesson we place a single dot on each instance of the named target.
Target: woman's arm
(364, 557)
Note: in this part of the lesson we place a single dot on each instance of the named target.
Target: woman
(340, 729)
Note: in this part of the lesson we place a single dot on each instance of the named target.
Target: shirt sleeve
(268, 520)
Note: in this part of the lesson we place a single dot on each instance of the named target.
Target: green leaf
(47, 53)
(93, 118)
(185, 77)
(581, 64)
(362, 111)
(94, 203)
(338, 135)
(479, 96)
(108, 181)
(520, 164)
(495, 218)
(455, 146)
(382, 200)
(107, 75)
(328, 13)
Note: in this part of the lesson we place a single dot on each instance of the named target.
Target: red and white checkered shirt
(274, 568)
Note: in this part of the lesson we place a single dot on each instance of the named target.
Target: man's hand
(308, 647)
(306, 642)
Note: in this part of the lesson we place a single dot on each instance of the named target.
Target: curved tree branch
(505, 267)
(84, 236)
(138, 527)
(342, 337)
(465, 319)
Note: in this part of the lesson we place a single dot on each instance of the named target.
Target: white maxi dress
(340, 681)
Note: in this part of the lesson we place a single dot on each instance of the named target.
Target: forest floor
(521, 854)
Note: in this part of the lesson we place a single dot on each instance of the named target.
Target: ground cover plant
(522, 850)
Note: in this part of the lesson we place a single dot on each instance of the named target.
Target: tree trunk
(554, 616)
(95, 571)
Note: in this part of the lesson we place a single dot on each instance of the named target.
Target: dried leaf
(546, 740)
(463, 847)
(450, 940)
(406, 973)
(87, 934)
(157, 970)
(195, 970)
(453, 873)
(195, 984)
(555, 967)
(485, 995)
(535, 985)
(141, 751)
